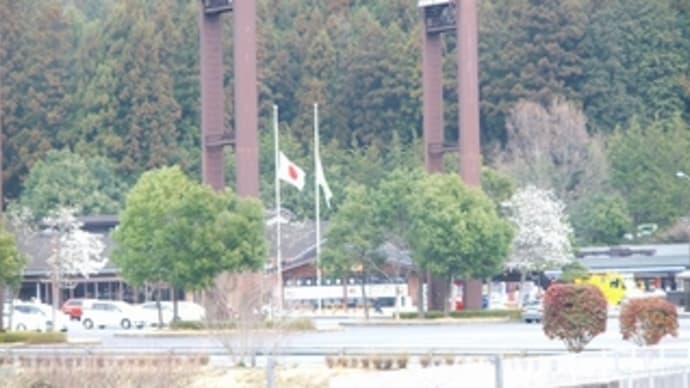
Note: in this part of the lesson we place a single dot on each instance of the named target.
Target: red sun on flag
(290, 172)
(293, 172)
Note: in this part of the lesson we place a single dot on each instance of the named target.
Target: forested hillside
(589, 98)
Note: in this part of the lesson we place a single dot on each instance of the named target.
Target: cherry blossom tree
(542, 232)
(74, 251)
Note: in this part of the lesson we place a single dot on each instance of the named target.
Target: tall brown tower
(441, 16)
(214, 134)
(230, 290)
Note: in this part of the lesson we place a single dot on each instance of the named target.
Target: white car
(107, 313)
(27, 317)
(61, 319)
(186, 311)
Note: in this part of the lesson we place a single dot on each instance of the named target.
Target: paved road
(471, 337)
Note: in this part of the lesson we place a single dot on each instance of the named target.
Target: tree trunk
(11, 317)
(448, 292)
(345, 295)
(420, 293)
(158, 307)
(429, 292)
(396, 314)
(521, 294)
(488, 296)
(364, 295)
(55, 290)
(2, 307)
(176, 316)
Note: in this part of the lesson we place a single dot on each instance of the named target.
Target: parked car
(73, 308)
(106, 313)
(27, 317)
(61, 319)
(533, 311)
(186, 311)
(150, 313)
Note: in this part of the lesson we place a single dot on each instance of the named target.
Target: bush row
(29, 337)
(387, 362)
(576, 313)
(110, 376)
(510, 314)
(378, 362)
(288, 324)
(92, 362)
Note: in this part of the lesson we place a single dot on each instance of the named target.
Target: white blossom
(74, 251)
(542, 238)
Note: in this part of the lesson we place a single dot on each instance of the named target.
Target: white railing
(644, 367)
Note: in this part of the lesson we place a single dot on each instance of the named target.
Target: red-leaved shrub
(646, 321)
(575, 314)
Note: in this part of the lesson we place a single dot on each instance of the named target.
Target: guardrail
(638, 368)
(643, 367)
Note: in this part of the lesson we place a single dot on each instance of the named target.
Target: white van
(108, 313)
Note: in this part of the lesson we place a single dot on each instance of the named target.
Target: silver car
(533, 311)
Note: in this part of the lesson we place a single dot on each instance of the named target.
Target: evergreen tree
(35, 90)
(128, 108)
(530, 51)
(632, 51)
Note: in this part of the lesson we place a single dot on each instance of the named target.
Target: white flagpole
(279, 259)
(318, 206)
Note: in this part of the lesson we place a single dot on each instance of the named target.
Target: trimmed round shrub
(646, 321)
(575, 314)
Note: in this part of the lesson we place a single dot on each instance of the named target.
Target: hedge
(646, 321)
(30, 337)
(575, 314)
(289, 324)
(511, 314)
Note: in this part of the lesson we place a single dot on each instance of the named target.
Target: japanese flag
(290, 172)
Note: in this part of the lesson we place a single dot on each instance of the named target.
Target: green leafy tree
(11, 264)
(65, 179)
(393, 204)
(354, 238)
(393, 198)
(601, 219)
(573, 270)
(184, 234)
(457, 232)
(644, 160)
(497, 186)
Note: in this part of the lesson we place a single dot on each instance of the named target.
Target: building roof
(298, 247)
(298, 242)
(40, 247)
(637, 258)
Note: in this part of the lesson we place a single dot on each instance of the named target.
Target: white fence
(635, 368)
